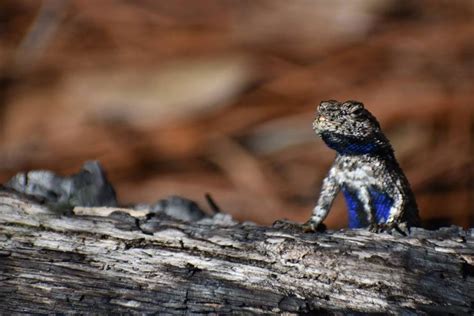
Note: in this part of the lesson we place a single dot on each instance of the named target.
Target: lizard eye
(357, 110)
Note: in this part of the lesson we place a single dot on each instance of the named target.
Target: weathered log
(118, 263)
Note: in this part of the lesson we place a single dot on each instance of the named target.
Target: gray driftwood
(117, 263)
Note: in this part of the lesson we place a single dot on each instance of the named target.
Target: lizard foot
(309, 227)
(388, 228)
(284, 224)
(292, 226)
(378, 227)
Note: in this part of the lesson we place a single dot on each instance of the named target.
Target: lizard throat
(351, 145)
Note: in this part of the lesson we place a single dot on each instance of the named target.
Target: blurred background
(189, 97)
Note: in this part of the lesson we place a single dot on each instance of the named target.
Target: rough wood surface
(53, 263)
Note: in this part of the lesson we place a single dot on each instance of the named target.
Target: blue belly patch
(357, 216)
(382, 203)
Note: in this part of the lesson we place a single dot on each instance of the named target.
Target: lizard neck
(352, 145)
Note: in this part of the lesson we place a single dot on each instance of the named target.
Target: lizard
(377, 192)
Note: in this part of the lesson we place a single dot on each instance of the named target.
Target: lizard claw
(379, 227)
(285, 225)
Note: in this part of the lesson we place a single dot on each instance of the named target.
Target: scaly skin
(376, 190)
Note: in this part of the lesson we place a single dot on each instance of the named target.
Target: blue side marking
(382, 203)
(357, 216)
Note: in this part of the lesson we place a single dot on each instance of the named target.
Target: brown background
(188, 97)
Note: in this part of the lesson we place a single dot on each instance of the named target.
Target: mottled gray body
(376, 190)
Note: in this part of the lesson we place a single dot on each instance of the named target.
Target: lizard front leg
(365, 199)
(329, 190)
(396, 211)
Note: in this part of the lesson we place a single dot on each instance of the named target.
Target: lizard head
(348, 127)
(346, 118)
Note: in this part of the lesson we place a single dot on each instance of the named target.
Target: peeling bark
(119, 263)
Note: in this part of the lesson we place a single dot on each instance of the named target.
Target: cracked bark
(103, 264)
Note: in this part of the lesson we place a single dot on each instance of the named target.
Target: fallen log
(51, 262)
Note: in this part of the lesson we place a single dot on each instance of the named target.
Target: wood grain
(84, 264)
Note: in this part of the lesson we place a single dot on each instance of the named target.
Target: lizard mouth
(327, 127)
(320, 123)
(321, 118)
